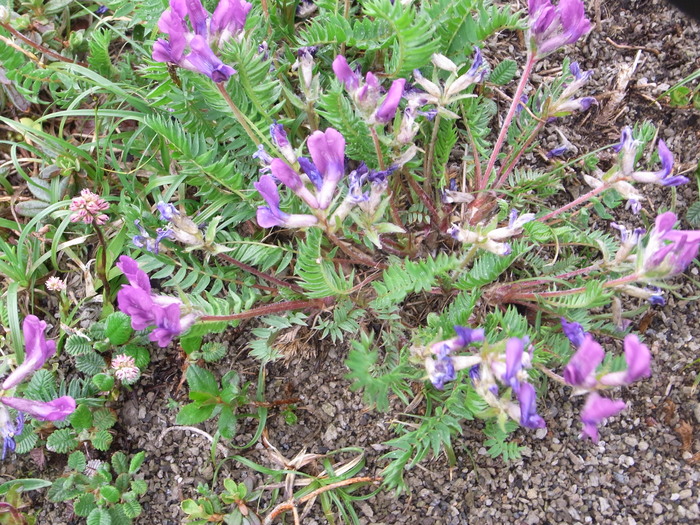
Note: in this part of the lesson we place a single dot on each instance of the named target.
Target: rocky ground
(644, 469)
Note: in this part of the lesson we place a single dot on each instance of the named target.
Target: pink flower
(87, 208)
(597, 409)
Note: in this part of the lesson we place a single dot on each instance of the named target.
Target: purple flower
(36, 351)
(229, 18)
(527, 397)
(280, 140)
(663, 176)
(167, 211)
(290, 178)
(595, 410)
(638, 358)
(574, 331)
(515, 348)
(387, 110)
(467, 336)
(136, 277)
(580, 371)
(668, 252)
(346, 75)
(271, 215)
(552, 27)
(55, 410)
(191, 49)
(145, 309)
(442, 369)
(327, 151)
(311, 171)
(167, 321)
(557, 152)
(8, 430)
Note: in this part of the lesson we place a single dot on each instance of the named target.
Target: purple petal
(387, 110)
(573, 331)
(595, 410)
(311, 171)
(666, 159)
(198, 16)
(137, 277)
(203, 60)
(285, 174)
(327, 151)
(346, 75)
(514, 362)
(269, 217)
(36, 351)
(268, 190)
(167, 321)
(579, 370)
(137, 304)
(55, 410)
(527, 397)
(469, 335)
(638, 359)
(230, 16)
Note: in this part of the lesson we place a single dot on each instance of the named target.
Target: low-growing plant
(102, 493)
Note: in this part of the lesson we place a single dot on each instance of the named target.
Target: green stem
(241, 117)
(102, 265)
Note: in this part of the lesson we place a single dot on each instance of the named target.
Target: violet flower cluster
(566, 103)
(167, 314)
(582, 373)
(554, 26)
(37, 350)
(325, 169)
(489, 371)
(491, 238)
(367, 93)
(618, 176)
(180, 228)
(192, 46)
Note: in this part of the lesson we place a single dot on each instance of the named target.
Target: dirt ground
(642, 471)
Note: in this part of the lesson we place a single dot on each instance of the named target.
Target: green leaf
(136, 462)
(101, 440)
(119, 463)
(99, 517)
(201, 380)
(118, 515)
(62, 441)
(78, 345)
(110, 493)
(85, 504)
(77, 461)
(103, 382)
(139, 486)
(213, 351)
(192, 414)
(693, 214)
(122, 482)
(132, 508)
(26, 484)
(81, 418)
(503, 72)
(141, 355)
(90, 364)
(103, 418)
(228, 423)
(190, 344)
(118, 328)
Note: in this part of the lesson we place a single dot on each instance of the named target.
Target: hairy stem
(575, 202)
(531, 59)
(239, 115)
(258, 273)
(268, 309)
(39, 47)
(377, 148)
(102, 265)
(430, 157)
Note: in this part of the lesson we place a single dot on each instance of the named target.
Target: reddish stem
(576, 202)
(271, 309)
(531, 59)
(267, 277)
